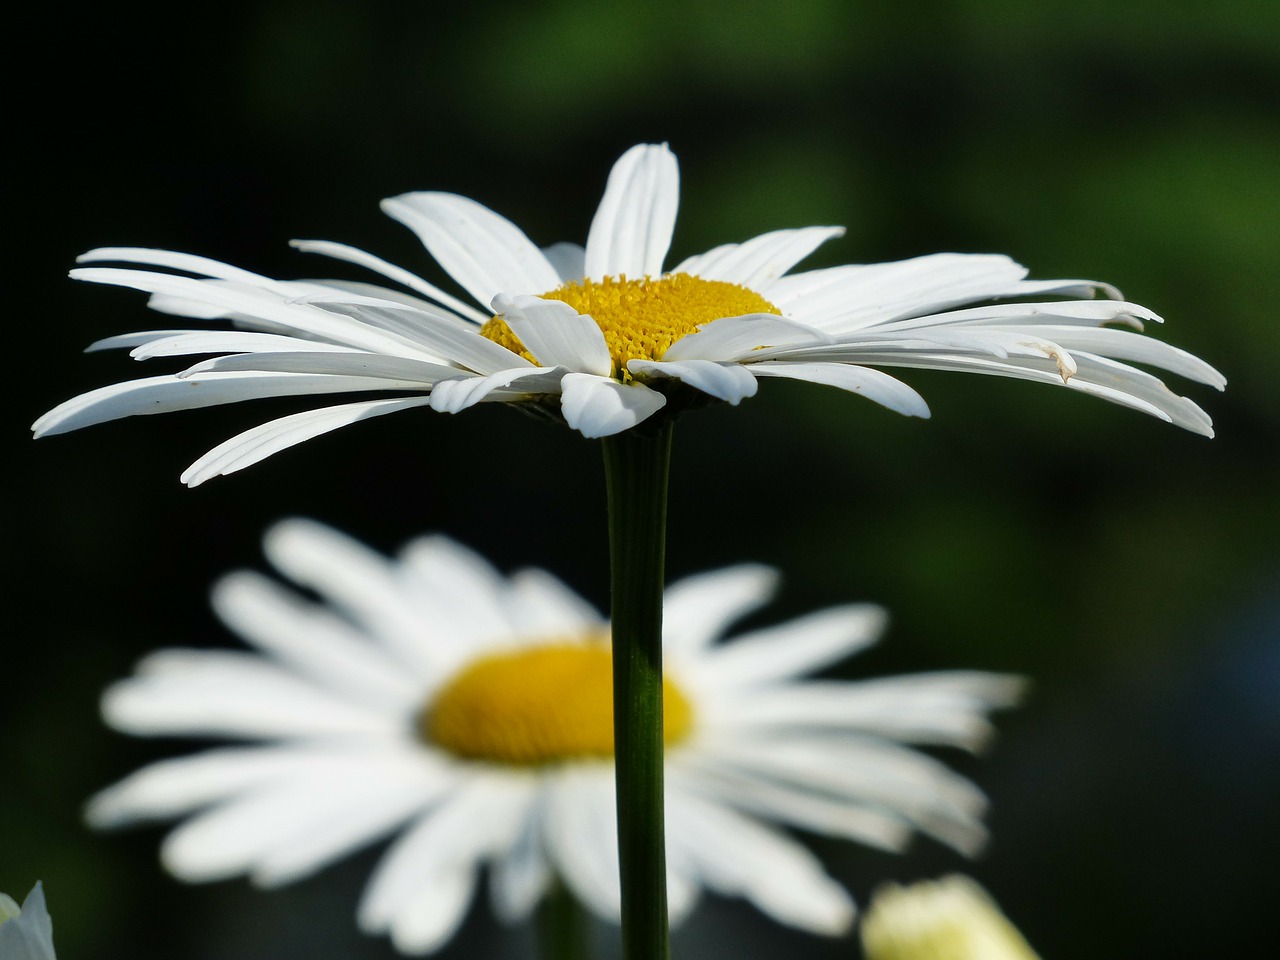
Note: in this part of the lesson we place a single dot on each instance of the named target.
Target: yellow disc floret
(537, 706)
(640, 319)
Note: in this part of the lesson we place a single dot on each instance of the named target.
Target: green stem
(562, 926)
(635, 466)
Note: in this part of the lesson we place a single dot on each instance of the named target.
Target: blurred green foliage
(1130, 569)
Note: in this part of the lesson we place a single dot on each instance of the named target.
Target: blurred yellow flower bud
(948, 919)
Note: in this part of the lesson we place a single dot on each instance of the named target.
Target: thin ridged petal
(632, 228)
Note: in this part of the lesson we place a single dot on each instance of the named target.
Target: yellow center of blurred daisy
(640, 319)
(537, 706)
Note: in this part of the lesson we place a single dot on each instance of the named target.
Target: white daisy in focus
(602, 336)
(26, 932)
(469, 715)
(948, 919)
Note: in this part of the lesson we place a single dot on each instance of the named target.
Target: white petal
(186, 262)
(224, 693)
(793, 648)
(793, 806)
(152, 395)
(427, 921)
(291, 827)
(600, 407)
(761, 260)
(738, 338)
(947, 708)
(361, 582)
(730, 382)
(480, 817)
(581, 837)
(485, 253)
(857, 295)
(261, 307)
(542, 605)
(441, 336)
(340, 251)
(631, 231)
(522, 877)
(171, 788)
(454, 396)
(568, 259)
(697, 610)
(178, 343)
(336, 363)
(310, 639)
(555, 333)
(875, 385)
(736, 855)
(246, 449)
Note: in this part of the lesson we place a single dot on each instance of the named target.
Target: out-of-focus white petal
(737, 855)
(793, 648)
(698, 609)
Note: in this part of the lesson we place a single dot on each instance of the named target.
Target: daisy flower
(948, 919)
(602, 336)
(26, 932)
(468, 714)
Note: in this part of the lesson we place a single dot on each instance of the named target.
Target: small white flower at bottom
(26, 932)
(468, 714)
(948, 919)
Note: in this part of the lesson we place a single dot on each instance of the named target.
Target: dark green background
(1129, 568)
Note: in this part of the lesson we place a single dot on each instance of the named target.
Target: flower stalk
(636, 469)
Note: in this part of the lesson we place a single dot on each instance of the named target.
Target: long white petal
(186, 262)
(698, 609)
(252, 446)
(556, 333)
(793, 648)
(362, 583)
(568, 259)
(875, 385)
(737, 855)
(462, 345)
(340, 251)
(481, 817)
(580, 832)
(485, 253)
(431, 917)
(260, 306)
(631, 231)
(152, 395)
(310, 639)
(600, 407)
(519, 879)
(543, 606)
(761, 260)
(332, 363)
(737, 338)
(221, 693)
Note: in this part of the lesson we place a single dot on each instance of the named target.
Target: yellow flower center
(538, 706)
(640, 319)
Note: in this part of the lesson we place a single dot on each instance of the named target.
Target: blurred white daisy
(601, 335)
(948, 919)
(469, 714)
